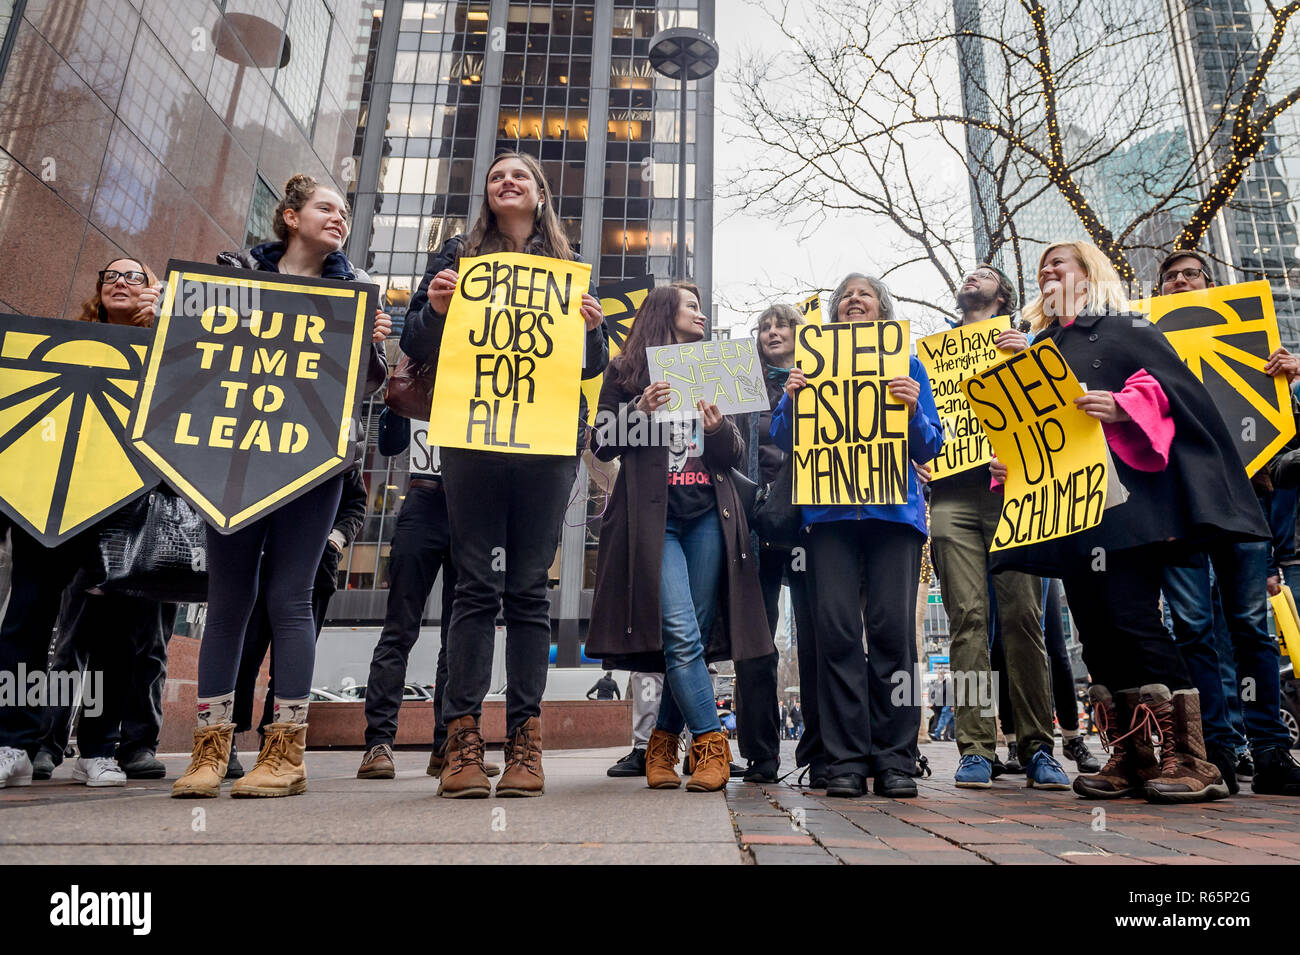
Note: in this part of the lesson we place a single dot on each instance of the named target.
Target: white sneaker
(98, 771)
(15, 767)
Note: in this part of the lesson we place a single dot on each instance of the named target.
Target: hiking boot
(1185, 774)
(280, 770)
(661, 760)
(712, 762)
(463, 773)
(1127, 738)
(143, 764)
(438, 758)
(1276, 773)
(98, 772)
(1012, 765)
(633, 764)
(1076, 749)
(43, 765)
(202, 780)
(974, 772)
(377, 763)
(523, 775)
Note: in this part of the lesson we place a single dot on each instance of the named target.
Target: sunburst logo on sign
(1225, 336)
(619, 302)
(66, 390)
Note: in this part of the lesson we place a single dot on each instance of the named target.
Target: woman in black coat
(1171, 449)
(674, 547)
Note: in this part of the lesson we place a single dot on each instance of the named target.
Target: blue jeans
(1193, 613)
(945, 720)
(688, 588)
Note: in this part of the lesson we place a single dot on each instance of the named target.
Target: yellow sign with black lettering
(66, 389)
(949, 358)
(251, 387)
(511, 356)
(1288, 625)
(811, 309)
(1055, 454)
(1225, 336)
(850, 433)
(619, 301)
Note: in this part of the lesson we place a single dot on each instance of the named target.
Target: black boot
(1226, 761)
(1076, 749)
(1276, 773)
(1012, 765)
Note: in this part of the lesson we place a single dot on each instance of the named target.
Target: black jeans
(123, 640)
(1117, 610)
(421, 546)
(1058, 658)
(865, 574)
(506, 512)
(40, 575)
(278, 555)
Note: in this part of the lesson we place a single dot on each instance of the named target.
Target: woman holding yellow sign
(505, 508)
(1172, 452)
(866, 566)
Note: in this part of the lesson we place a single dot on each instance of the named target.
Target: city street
(588, 818)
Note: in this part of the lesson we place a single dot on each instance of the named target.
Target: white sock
(1067, 735)
(290, 711)
(213, 710)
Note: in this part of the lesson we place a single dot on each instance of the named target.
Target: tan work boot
(377, 763)
(1185, 774)
(523, 775)
(711, 757)
(661, 760)
(207, 763)
(439, 757)
(280, 770)
(463, 773)
(1126, 732)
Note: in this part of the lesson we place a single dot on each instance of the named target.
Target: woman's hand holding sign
(592, 313)
(148, 307)
(441, 290)
(906, 390)
(383, 326)
(655, 396)
(796, 381)
(710, 416)
(1102, 406)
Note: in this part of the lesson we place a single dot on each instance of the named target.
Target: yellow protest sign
(619, 301)
(1288, 624)
(811, 309)
(511, 356)
(949, 358)
(1055, 454)
(850, 433)
(1225, 336)
(66, 389)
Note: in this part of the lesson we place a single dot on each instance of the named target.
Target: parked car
(1291, 703)
(410, 691)
(319, 694)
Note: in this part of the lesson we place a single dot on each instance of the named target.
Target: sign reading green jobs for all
(252, 383)
(66, 389)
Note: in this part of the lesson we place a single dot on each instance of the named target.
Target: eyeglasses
(980, 274)
(1188, 274)
(109, 276)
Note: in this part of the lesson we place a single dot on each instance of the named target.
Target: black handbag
(776, 520)
(746, 492)
(155, 548)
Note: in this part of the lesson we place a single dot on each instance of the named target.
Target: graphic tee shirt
(690, 486)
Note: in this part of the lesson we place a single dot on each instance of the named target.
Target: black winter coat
(422, 331)
(1201, 497)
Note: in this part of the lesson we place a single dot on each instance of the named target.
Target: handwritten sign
(1055, 454)
(425, 461)
(726, 373)
(251, 385)
(811, 309)
(949, 358)
(511, 356)
(850, 433)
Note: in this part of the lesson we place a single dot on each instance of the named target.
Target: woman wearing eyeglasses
(123, 639)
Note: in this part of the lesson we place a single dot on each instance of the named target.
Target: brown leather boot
(1185, 774)
(207, 763)
(523, 775)
(1126, 735)
(711, 756)
(661, 760)
(463, 775)
(280, 770)
(439, 756)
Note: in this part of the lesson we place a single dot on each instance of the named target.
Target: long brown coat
(626, 625)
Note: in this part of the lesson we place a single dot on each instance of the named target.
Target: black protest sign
(66, 390)
(252, 383)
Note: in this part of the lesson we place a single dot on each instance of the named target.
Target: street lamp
(683, 53)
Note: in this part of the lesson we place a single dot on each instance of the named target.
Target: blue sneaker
(1042, 771)
(974, 772)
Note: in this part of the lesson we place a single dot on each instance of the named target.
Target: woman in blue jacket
(866, 565)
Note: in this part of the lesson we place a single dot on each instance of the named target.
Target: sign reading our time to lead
(251, 385)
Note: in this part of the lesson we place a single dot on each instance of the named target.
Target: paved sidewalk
(1007, 824)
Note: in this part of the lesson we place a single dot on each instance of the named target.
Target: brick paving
(1009, 824)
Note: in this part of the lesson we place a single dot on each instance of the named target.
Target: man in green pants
(963, 516)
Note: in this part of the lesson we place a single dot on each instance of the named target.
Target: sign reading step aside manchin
(251, 385)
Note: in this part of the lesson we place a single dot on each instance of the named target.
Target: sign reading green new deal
(726, 373)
